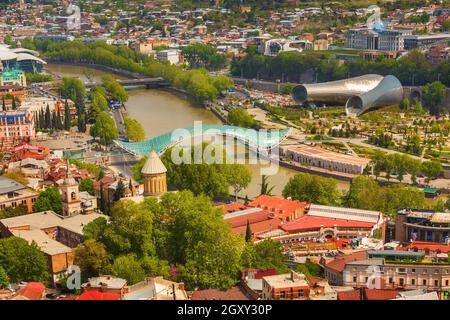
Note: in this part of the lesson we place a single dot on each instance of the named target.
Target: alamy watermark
(74, 19)
(209, 143)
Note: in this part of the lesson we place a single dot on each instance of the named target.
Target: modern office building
(386, 40)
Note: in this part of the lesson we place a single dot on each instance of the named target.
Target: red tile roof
(432, 246)
(232, 207)
(381, 294)
(277, 205)
(97, 295)
(234, 293)
(349, 295)
(338, 264)
(32, 291)
(312, 222)
(259, 227)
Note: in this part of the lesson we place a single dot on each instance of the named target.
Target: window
(436, 283)
(413, 281)
(282, 294)
(446, 282)
(391, 280)
(424, 282)
(402, 281)
(300, 292)
(354, 278)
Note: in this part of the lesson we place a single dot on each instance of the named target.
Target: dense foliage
(182, 230)
(198, 83)
(22, 261)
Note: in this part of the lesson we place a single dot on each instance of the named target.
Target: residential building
(287, 286)
(156, 288)
(398, 272)
(16, 127)
(278, 207)
(106, 284)
(233, 293)
(425, 41)
(14, 194)
(171, 56)
(55, 236)
(31, 291)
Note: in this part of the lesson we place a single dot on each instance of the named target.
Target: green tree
(98, 104)
(248, 233)
(129, 230)
(95, 229)
(104, 128)
(72, 88)
(91, 257)
(214, 263)
(433, 95)
(49, 199)
(312, 188)
(114, 89)
(129, 268)
(119, 193)
(431, 169)
(134, 130)
(23, 261)
(310, 269)
(265, 187)
(87, 185)
(240, 117)
(238, 177)
(67, 123)
(4, 282)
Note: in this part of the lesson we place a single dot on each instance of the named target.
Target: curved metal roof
(257, 139)
(27, 56)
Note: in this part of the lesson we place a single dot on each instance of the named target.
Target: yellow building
(154, 176)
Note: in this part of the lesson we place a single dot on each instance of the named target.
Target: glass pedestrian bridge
(258, 140)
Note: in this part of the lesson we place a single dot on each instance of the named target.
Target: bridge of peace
(256, 140)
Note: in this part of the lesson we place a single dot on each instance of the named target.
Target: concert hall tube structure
(388, 92)
(335, 92)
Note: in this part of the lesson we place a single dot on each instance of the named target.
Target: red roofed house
(428, 247)
(368, 294)
(234, 293)
(283, 209)
(97, 295)
(31, 291)
(334, 269)
(260, 221)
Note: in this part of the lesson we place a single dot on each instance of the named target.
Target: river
(161, 111)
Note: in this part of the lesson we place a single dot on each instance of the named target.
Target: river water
(161, 111)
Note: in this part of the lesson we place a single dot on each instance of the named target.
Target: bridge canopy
(256, 139)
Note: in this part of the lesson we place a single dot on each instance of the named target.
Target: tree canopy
(22, 261)
(49, 199)
(104, 128)
(312, 188)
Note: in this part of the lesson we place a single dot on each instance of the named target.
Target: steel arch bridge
(258, 140)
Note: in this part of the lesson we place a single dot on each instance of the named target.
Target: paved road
(117, 115)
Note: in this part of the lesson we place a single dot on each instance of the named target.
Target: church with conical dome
(154, 176)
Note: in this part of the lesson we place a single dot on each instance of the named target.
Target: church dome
(153, 165)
